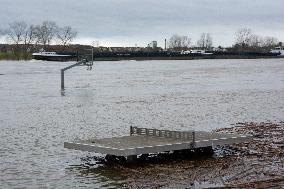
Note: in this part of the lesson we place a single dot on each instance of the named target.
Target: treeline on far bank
(23, 39)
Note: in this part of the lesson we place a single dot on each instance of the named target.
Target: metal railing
(186, 135)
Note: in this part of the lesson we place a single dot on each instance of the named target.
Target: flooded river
(36, 117)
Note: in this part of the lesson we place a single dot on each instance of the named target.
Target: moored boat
(53, 56)
(196, 51)
(278, 50)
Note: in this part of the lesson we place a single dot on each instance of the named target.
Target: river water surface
(36, 117)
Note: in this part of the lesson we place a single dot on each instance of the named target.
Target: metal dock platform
(145, 141)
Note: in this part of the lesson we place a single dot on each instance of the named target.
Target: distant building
(153, 44)
(219, 49)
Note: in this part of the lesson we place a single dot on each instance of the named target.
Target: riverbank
(153, 56)
(13, 56)
(184, 57)
(258, 164)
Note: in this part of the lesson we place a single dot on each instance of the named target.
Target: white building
(153, 44)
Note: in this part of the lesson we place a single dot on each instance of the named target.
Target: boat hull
(53, 58)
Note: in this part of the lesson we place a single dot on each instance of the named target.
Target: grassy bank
(14, 56)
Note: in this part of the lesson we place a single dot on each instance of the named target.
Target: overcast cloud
(130, 22)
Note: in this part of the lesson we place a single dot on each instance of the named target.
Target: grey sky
(130, 22)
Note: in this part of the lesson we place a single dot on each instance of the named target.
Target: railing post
(131, 130)
(62, 79)
(193, 138)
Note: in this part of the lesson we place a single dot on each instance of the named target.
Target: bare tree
(16, 32)
(29, 40)
(254, 41)
(174, 41)
(201, 41)
(177, 41)
(45, 33)
(21, 36)
(65, 35)
(247, 40)
(243, 36)
(208, 41)
(205, 41)
(16, 35)
(185, 41)
(270, 41)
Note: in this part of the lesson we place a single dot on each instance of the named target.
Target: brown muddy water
(36, 117)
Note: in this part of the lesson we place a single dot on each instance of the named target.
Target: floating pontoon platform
(145, 141)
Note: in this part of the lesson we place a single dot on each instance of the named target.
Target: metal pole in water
(92, 55)
(82, 62)
(62, 79)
